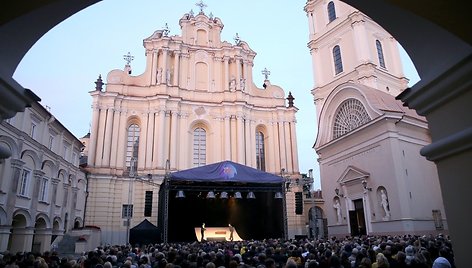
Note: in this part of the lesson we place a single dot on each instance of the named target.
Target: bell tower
(347, 46)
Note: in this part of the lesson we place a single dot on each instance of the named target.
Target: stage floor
(216, 233)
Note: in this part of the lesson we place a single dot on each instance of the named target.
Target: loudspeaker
(299, 203)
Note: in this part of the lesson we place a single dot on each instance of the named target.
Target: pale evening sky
(62, 66)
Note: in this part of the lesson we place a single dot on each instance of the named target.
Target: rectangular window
(127, 211)
(148, 204)
(25, 177)
(43, 190)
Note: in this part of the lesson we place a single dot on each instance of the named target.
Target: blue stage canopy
(225, 171)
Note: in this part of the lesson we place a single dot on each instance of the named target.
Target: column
(227, 139)
(226, 75)
(100, 137)
(184, 149)
(184, 71)
(233, 138)
(249, 151)
(108, 134)
(160, 140)
(4, 237)
(155, 149)
(288, 147)
(37, 176)
(282, 140)
(240, 139)
(93, 136)
(166, 151)
(22, 239)
(173, 141)
(252, 141)
(276, 153)
(43, 236)
(149, 141)
(16, 166)
(294, 148)
(117, 125)
(121, 142)
(143, 142)
(176, 68)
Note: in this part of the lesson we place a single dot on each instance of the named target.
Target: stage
(216, 234)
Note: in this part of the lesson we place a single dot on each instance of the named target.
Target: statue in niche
(158, 76)
(232, 84)
(168, 76)
(242, 83)
(337, 207)
(384, 203)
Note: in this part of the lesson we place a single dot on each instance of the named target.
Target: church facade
(373, 177)
(195, 104)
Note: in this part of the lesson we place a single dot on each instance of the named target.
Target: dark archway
(442, 59)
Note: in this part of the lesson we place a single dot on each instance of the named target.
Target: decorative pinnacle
(201, 5)
(266, 73)
(236, 38)
(166, 30)
(128, 58)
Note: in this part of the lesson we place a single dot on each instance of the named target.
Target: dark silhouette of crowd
(356, 252)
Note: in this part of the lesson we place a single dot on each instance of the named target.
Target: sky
(63, 65)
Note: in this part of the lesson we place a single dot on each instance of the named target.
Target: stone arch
(31, 159)
(22, 218)
(78, 223)
(11, 144)
(57, 224)
(331, 105)
(45, 219)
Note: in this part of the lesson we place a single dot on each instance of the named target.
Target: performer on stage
(231, 230)
(202, 230)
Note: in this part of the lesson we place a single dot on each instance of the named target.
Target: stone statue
(384, 203)
(158, 75)
(337, 206)
(242, 83)
(168, 76)
(232, 84)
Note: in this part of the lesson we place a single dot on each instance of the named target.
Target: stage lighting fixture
(224, 195)
(237, 195)
(180, 194)
(278, 195)
(251, 195)
(211, 195)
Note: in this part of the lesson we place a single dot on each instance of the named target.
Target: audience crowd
(356, 252)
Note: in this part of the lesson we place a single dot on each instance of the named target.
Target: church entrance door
(357, 219)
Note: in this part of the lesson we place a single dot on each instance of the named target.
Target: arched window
(331, 11)
(380, 53)
(338, 62)
(132, 147)
(351, 114)
(199, 147)
(260, 156)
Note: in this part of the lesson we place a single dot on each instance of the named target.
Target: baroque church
(373, 177)
(195, 104)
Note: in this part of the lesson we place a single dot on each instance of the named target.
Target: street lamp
(364, 185)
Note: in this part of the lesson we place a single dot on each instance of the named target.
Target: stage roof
(225, 171)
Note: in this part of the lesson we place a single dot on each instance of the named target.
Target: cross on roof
(201, 5)
(266, 73)
(128, 58)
